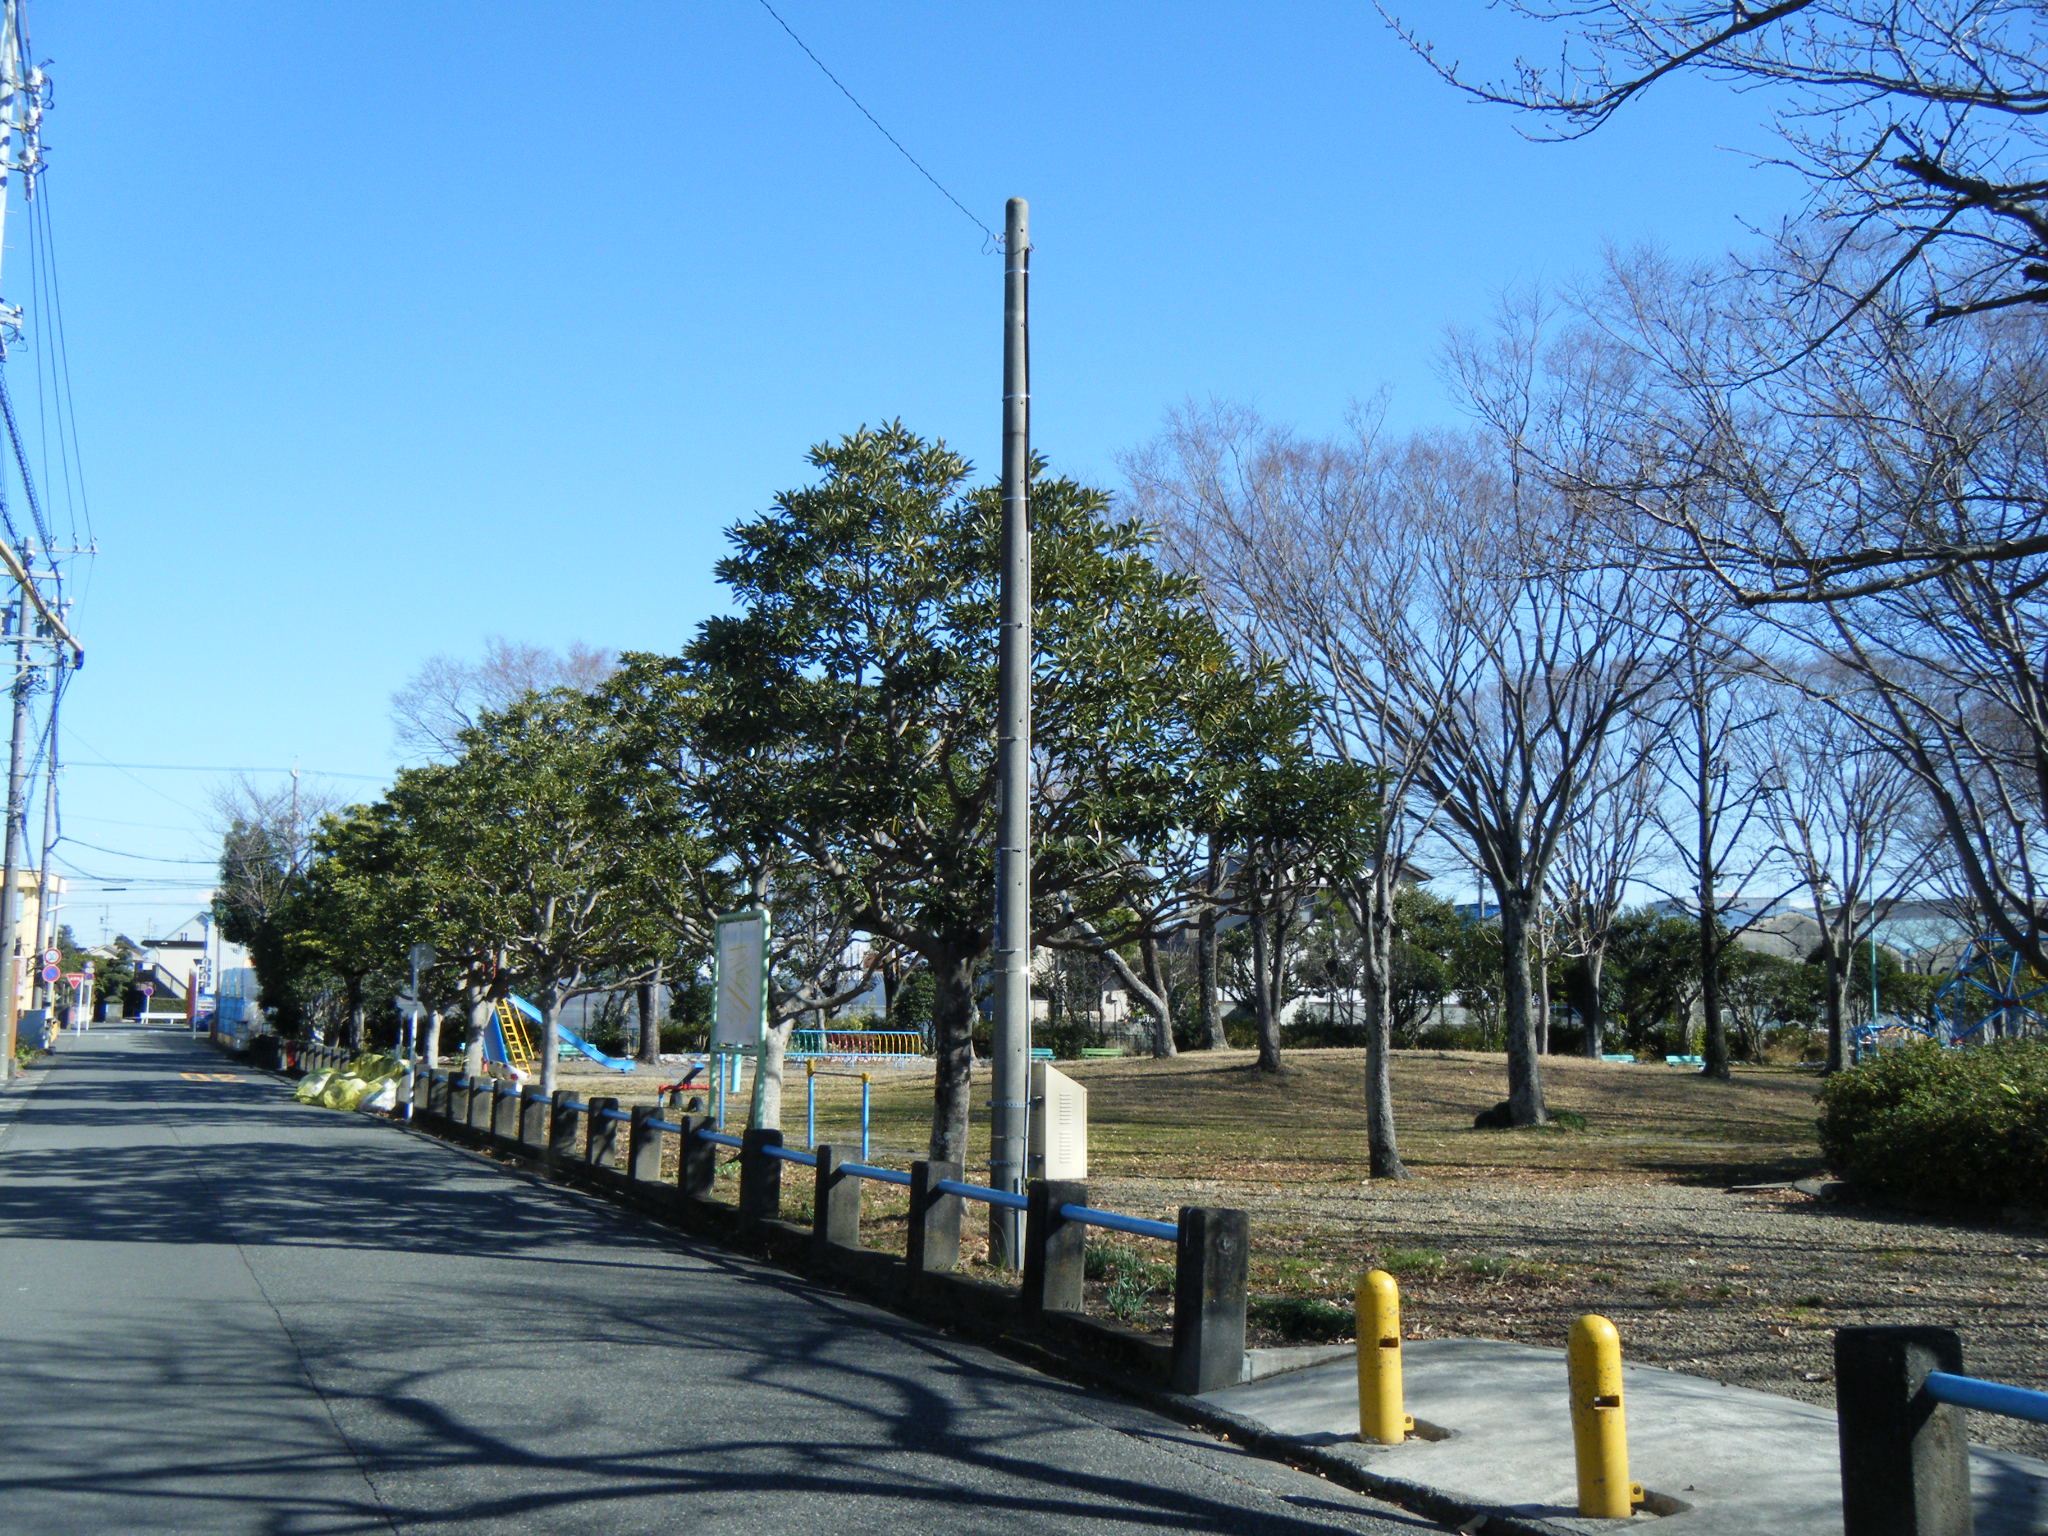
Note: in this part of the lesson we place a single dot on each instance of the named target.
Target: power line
(318, 773)
(885, 133)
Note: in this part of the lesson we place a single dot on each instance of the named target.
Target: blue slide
(567, 1036)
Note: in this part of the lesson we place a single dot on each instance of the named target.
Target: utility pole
(46, 927)
(1010, 1089)
(10, 863)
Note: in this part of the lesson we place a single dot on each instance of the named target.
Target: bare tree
(1915, 120)
(1882, 505)
(1846, 816)
(1426, 591)
(1281, 534)
(448, 696)
(1715, 792)
(1599, 856)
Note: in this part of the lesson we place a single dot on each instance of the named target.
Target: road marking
(209, 1077)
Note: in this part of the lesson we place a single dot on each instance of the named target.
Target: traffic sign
(52, 957)
(149, 989)
(50, 973)
(76, 978)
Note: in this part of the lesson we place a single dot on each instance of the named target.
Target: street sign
(149, 989)
(50, 973)
(76, 978)
(52, 957)
(421, 955)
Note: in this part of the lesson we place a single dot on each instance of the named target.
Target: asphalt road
(222, 1312)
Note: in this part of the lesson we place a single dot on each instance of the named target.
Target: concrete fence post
(601, 1144)
(1055, 1249)
(835, 1219)
(697, 1162)
(533, 1120)
(483, 1104)
(458, 1098)
(437, 1095)
(760, 1177)
(1905, 1461)
(643, 1146)
(933, 1245)
(504, 1119)
(1211, 1273)
(563, 1131)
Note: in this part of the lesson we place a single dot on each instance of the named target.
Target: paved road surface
(224, 1312)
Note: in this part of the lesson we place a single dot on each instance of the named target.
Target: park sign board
(740, 981)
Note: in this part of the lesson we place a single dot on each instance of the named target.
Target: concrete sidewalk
(1716, 1460)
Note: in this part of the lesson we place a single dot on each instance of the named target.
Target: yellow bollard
(1380, 1416)
(1599, 1431)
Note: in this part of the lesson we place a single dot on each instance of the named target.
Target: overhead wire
(884, 132)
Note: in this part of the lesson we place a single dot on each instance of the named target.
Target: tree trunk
(1376, 936)
(432, 1048)
(1714, 1045)
(1264, 1007)
(1205, 981)
(649, 999)
(480, 1009)
(764, 1113)
(355, 1012)
(1159, 1004)
(550, 1036)
(1835, 986)
(1525, 1068)
(953, 1046)
(1540, 981)
(1586, 1001)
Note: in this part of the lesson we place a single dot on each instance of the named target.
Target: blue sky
(394, 326)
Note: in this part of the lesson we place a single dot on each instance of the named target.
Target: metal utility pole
(1010, 1091)
(10, 863)
(46, 927)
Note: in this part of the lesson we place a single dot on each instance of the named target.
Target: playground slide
(494, 1041)
(575, 1042)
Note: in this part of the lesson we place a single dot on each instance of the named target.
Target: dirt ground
(1512, 1234)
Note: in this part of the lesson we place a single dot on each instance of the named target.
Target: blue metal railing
(880, 1175)
(791, 1155)
(581, 1109)
(721, 1139)
(619, 1115)
(1988, 1396)
(1002, 1197)
(1137, 1226)
(666, 1125)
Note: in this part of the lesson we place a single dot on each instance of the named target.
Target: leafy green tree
(850, 703)
(1653, 974)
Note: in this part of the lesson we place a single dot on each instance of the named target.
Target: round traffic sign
(49, 973)
(52, 957)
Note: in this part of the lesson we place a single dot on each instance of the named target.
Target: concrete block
(1212, 1268)
(643, 1146)
(933, 1246)
(760, 1178)
(697, 1169)
(1905, 1460)
(564, 1131)
(601, 1143)
(1055, 1249)
(835, 1221)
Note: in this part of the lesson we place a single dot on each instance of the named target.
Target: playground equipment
(857, 1044)
(812, 1072)
(507, 1042)
(1992, 994)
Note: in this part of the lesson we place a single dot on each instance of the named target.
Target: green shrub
(1961, 1127)
(1303, 1318)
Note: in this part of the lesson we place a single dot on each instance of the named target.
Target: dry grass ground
(1511, 1234)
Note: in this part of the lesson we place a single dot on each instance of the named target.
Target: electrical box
(1059, 1125)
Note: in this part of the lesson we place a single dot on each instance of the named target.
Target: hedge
(1966, 1127)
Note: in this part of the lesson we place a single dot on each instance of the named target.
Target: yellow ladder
(518, 1048)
